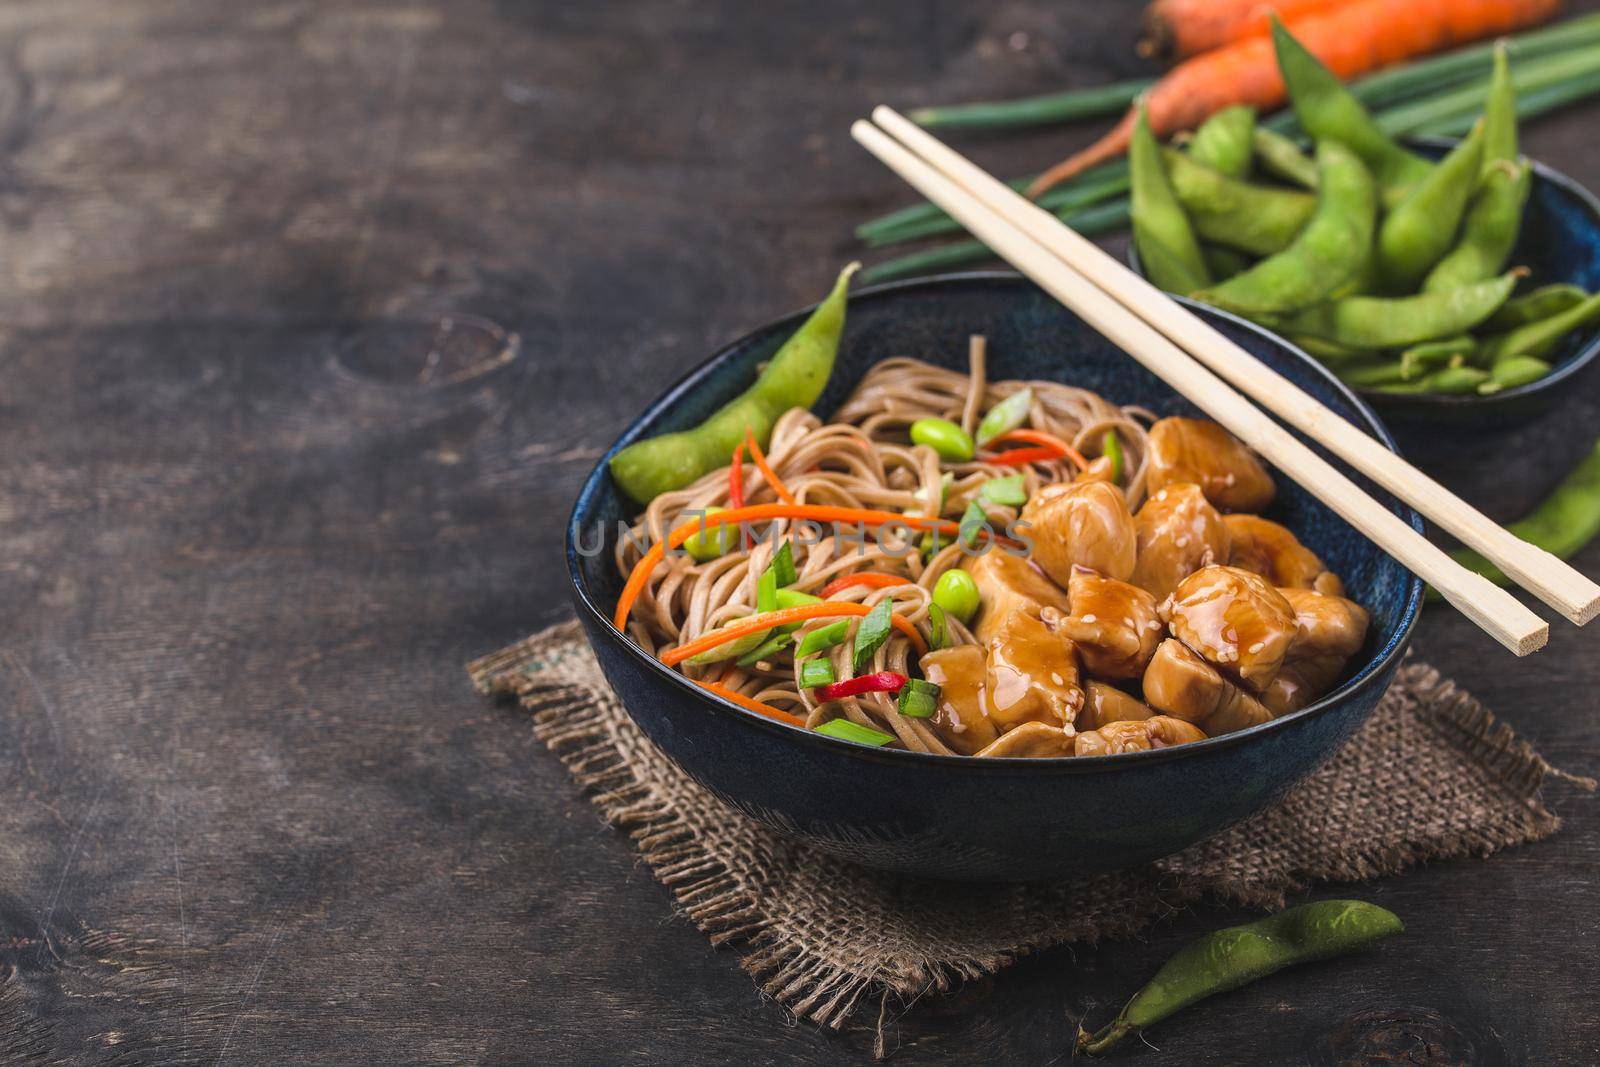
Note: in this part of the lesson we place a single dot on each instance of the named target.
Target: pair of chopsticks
(1179, 347)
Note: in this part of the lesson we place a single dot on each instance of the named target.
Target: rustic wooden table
(274, 467)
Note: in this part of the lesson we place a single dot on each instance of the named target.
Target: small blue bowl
(969, 818)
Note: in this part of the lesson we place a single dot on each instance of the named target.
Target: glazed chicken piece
(1033, 740)
(1105, 703)
(1085, 524)
(1331, 629)
(1178, 532)
(1200, 451)
(1032, 675)
(1234, 620)
(961, 720)
(1114, 624)
(1007, 582)
(1138, 736)
(1263, 547)
(1183, 685)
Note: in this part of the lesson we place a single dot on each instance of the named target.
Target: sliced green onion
(794, 598)
(730, 649)
(973, 520)
(782, 565)
(845, 730)
(1005, 416)
(1111, 448)
(766, 649)
(767, 592)
(1007, 491)
(938, 627)
(815, 672)
(823, 637)
(919, 699)
(872, 633)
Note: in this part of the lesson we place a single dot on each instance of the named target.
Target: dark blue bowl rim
(1379, 665)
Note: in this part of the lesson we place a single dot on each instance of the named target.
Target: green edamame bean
(950, 441)
(1280, 156)
(1258, 219)
(1489, 231)
(1328, 111)
(1455, 380)
(1417, 233)
(1227, 959)
(1328, 252)
(1566, 520)
(957, 594)
(709, 542)
(1372, 375)
(1500, 114)
(1161, 231)
(1223, 141)
(1512, 372)
(1539, 304)
(1400, 322)
(794, 378)
(1418, 361)
(1538, 338)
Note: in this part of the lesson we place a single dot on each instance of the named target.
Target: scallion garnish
(815, 672)
(938, 628)
(919, 699)
(824, 637)
(765, 650)
(845, 730)
(872, 633)
(1007, 492)
(782, 565)
(1005, 416)
(973, 520)
(767, 592)
(1111, 448)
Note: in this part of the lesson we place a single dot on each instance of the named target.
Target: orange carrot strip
(766, 471)
(759, 513)
(752, 704)
(1351, 39)
(1050, 441)
(871, 579)
(782, 617)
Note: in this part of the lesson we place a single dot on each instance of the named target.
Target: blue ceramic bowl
(987, 819)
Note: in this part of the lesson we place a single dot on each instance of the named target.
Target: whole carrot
(1178, 29)
(1350, 39)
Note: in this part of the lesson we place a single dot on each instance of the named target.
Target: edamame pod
(1371, 375)
(1418, 361)
(1328, 111)
(1455, 380)
(1258, 219)
(1512, 372)
(1489, 231)
(1538, 338)
(794, 378)
(1564, 522)
(1539, 304)
(1223, 141)
(1161, 231)
(1417, 233)
(1330, 352)
(1227, 959)
(1328, 252)
(1500, 114)
(1280, 156)
(1400, 322)
(1224, 262)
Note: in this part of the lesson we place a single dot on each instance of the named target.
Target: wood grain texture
(314, 314)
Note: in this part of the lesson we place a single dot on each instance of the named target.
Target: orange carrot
(782, 617)
(870, 579)
(760, 513)
(1048, 442)
(767, 472)
(751, 703)
(1178, 29)
(1350, 39)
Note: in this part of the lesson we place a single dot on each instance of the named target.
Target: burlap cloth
(1431, 775)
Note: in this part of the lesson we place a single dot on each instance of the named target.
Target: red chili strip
(882, 682)
(736, 477)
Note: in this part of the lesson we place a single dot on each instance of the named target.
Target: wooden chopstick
(1493, 609)
(1541, 573)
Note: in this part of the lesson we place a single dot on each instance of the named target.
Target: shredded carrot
(1178, 29)
(1350, 38)
(752, 704)
(736, 477)
(760, 513)
(766, 471)
(870, 579)
(1048, 442)
(782, 617)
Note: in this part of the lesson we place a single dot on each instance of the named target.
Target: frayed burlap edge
(554, 677)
